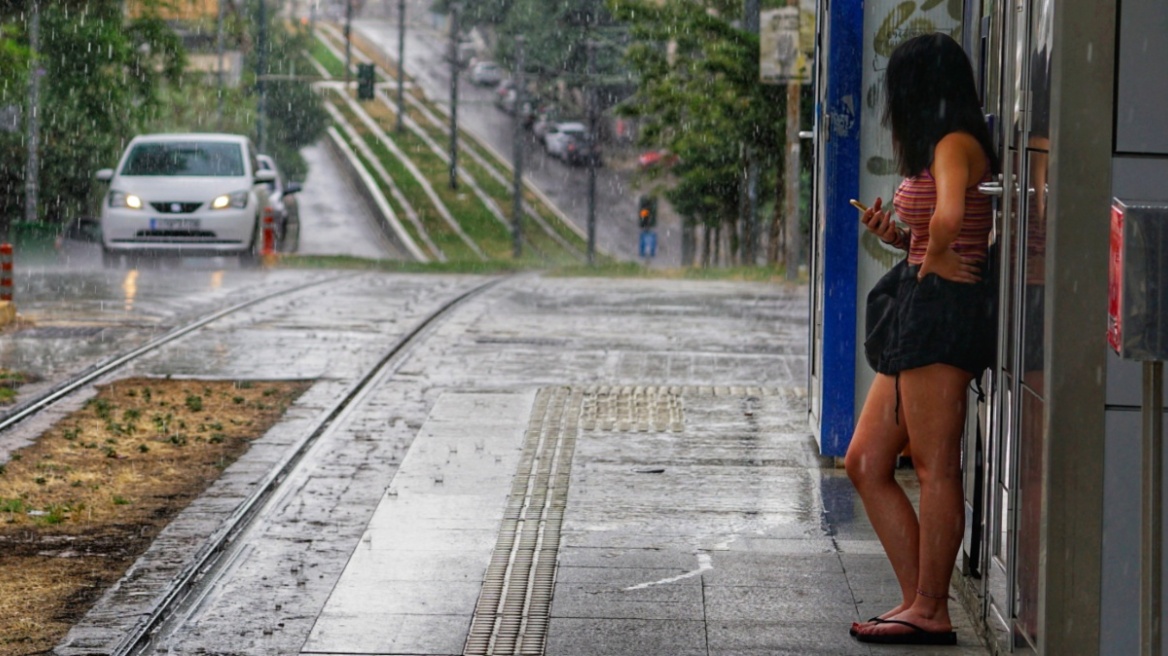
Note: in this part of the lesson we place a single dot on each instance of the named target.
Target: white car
(184, 194)
(560, 135)
(486, 73)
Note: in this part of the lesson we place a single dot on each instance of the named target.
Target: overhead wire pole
(219, 72)
(32, 171)
(750, 21)
(517, 138)
(261, 71)
(794, 147)
(401, 63)
(591, 144)
(348, 42)
(454, 8)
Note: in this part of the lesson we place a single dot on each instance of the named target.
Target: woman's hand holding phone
(877, 221)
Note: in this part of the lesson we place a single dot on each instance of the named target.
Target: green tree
(295, 114)
(100, 80)
(699, 96)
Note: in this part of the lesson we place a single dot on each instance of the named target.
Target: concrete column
(1082, 120)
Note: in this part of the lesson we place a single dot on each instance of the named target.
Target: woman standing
(935, 336)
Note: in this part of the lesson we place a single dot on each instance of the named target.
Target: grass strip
(475, 218)
(440, 232)
(321, 53)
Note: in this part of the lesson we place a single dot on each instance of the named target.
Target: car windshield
(186, 158)
(573, 132)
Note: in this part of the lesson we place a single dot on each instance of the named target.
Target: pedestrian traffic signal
(647, 214)
(364, 81)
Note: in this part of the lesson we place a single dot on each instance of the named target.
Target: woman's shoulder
(960, 142)
(962, 146)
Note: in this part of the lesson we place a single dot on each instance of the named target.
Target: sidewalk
(698, 521)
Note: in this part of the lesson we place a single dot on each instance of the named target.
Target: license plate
(174, 224)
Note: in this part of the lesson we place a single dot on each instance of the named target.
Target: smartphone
(858, 205)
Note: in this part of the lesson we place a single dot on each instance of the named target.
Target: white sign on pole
(787, 44)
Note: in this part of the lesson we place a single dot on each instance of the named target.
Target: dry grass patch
(79, 505)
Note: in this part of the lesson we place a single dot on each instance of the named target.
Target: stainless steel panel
(1141, 124)
(1032, 426)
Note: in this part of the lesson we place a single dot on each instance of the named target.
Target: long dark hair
(929, 92)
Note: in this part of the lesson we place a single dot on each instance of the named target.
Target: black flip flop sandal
(918, 636)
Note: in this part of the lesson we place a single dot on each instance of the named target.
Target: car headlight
(237, 200)
(122, 199)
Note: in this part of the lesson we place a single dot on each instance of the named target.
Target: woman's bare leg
(879, 438)
(933, 399)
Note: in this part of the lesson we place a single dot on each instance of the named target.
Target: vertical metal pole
(261, 71)
(219, 72)
(348, 42)
(794, 148)
(750, 22)
(591, 46)
(454, 64)
(32, 170)
(517, 156)
(401, 64)
(1152, 533)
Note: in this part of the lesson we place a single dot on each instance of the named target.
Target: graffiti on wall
(896, 22)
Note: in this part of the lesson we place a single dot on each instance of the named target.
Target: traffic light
(647, 214)
(364, 81)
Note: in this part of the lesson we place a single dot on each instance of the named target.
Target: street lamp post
(454, 9)
(34, 86)
(517, 137)
(591, 145)
(401, 63)
(348, 42)
(261, 71)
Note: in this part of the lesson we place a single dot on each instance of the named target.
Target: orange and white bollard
(7, 308)
(6, 272)
(268, 238)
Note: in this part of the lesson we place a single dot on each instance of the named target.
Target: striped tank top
(915, 200)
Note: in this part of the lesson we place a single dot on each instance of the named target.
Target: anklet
(931, 596)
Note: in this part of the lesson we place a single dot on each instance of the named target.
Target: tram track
(228, 542)
(43, 401)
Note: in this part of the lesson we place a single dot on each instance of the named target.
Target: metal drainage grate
(640, 408)
(512, 613)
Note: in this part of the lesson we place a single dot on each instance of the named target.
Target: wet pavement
(687, 510)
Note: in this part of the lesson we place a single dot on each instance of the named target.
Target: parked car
(466, 52)
(577, 150)
(557, 138)
(184, 194)
(486, 73)
(504, 85)
(544, 122)
(285, 208)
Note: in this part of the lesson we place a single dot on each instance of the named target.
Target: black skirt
(912, 324)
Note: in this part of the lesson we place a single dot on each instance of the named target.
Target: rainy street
(283, 375)
(695, 517)
(566, 185)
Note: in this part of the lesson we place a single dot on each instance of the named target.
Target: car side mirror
(104, 175)
(292, 187)
(265, 176)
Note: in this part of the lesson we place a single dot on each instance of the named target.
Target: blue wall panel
(841, 171)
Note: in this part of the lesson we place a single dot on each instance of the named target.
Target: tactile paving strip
(512, 614)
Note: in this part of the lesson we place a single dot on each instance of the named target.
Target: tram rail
(222, 548)
(43, 401)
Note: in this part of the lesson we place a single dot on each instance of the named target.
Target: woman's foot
(908, 622)
(875, 620)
